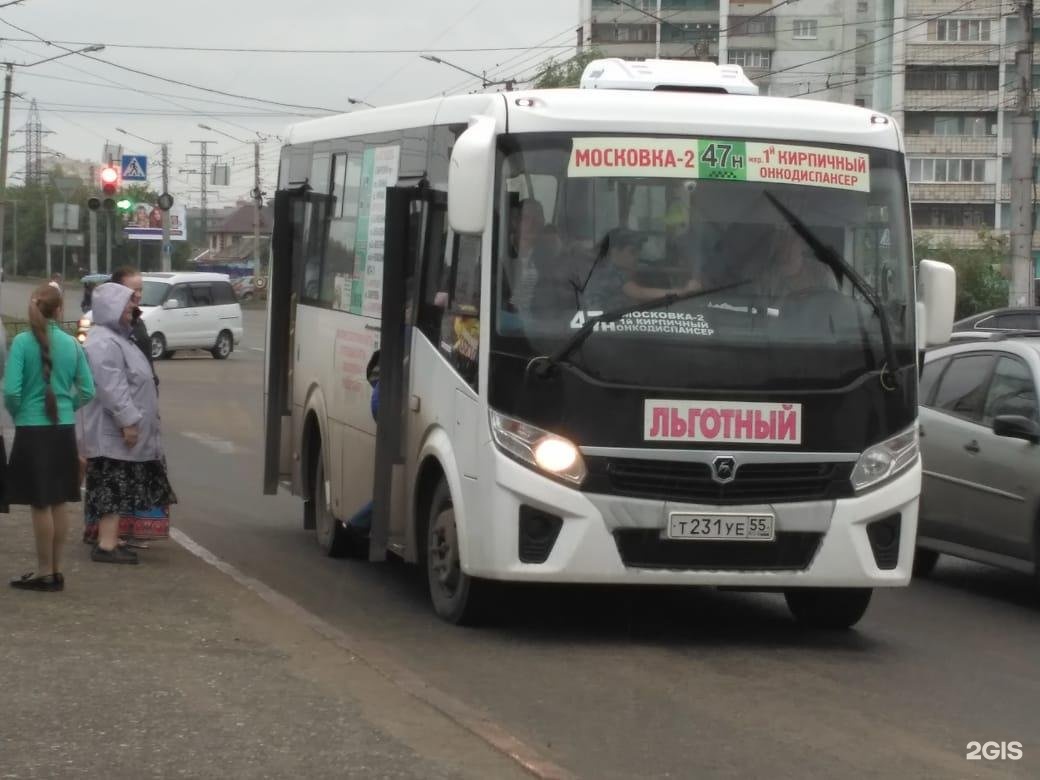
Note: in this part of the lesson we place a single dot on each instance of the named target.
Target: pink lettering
(678, 425)
(727, 423)
(692, 417)
(763, 429)
(581, 157)
(710, 423)
(743, 426)
(659, 422)
(669, 159)
(787, 429)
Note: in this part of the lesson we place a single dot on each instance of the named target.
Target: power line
(179, 83)
(240, 50)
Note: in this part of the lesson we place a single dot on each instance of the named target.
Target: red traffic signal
(109, 180)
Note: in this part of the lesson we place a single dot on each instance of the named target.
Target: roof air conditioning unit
(666, 75)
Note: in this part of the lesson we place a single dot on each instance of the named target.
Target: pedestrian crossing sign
(135, 167)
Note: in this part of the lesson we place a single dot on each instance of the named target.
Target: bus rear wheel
(829, 608)
(329, 532)
(457, 597)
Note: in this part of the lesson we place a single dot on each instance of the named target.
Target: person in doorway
(362, 519)
(46, 381)
(126, 471)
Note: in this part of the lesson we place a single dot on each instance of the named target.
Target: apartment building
(955, 91)
(943, 68)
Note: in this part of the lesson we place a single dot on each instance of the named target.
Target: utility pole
(258, 203)
(657, 50)
(8, 78)
(166, 263)
(1022, 272)
(203, 174)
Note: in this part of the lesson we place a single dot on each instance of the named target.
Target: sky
(84, 98)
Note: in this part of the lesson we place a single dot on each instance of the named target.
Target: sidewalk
(172, 669)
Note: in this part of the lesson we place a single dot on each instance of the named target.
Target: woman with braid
(47, 379)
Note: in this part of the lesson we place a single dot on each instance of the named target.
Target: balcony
(953, 193)
(941, 53)
(1005, 192)
(952, 145)
(985, 9)
(961, 237)
(951, 99)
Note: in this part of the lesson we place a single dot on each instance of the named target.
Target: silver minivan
(980, 449)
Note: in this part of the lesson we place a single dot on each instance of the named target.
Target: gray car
(980, 448)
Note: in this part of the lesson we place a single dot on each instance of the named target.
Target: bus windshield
(749, 236)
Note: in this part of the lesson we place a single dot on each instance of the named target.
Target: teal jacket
(24, 391)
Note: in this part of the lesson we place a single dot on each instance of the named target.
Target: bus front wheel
(830, 608)
(457, 597)
(330, 533)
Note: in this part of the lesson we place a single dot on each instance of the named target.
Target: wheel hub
(444, 556)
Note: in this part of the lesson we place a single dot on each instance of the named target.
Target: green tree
(981, 284)
(566, 73)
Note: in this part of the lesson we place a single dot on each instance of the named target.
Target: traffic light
(109, 180)
(124, 205)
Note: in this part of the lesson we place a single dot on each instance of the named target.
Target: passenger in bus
(792, 270)
(530, 254)
(616, 278)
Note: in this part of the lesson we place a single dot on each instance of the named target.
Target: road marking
(255, 349)
(223, 446)
(377, 656)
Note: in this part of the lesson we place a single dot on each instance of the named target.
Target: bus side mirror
(469, 177)
(936, 298)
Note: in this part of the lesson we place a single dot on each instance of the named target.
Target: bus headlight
(545, 451)
(886, 459)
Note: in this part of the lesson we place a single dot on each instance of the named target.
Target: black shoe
(59, 580)
(45, 582)
(117, 555)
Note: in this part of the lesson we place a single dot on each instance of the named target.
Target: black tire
(924, 562)
(328, 531)
(828, 608)
(225, 344)
(457, 598)
(169, 353)
(158, 346)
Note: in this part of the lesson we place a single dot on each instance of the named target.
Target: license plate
(729, 528)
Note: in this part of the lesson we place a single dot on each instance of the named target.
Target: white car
(188, 310)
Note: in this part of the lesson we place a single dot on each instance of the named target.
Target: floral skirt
(139, 492)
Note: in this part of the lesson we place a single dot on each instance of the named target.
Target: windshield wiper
(543, 364)
(830, 257)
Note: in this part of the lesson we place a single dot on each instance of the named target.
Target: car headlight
(545, 451)
(886, 459)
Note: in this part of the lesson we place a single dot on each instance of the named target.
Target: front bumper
(586, 549)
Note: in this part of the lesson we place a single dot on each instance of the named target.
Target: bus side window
(460, 329)
(435, 279)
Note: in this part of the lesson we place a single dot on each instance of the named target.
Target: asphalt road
(613, 683)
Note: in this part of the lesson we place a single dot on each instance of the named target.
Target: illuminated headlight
(545, 451)
(886, 459)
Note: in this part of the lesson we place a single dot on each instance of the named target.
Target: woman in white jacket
(126, 472)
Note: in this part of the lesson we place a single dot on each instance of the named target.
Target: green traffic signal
(124, 204)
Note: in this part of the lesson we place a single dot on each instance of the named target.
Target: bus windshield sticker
(722, 422)
(672, 323)
(691, 158)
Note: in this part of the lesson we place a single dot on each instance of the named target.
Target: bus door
(298, 234)
(414, 223)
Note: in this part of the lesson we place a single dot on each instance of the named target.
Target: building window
(861, 70)
(959, 30)
(753, 25)
(956, 170)
(952, 215)
(862, 6)
(805, 29)
(751, 58)
(951, 78)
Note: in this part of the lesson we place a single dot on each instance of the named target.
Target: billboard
(143, 222)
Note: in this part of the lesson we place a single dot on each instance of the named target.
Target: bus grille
(755, 483)
(647, 549)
